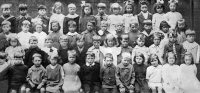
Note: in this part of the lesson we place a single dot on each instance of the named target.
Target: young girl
(173, 16)
(110, 46)
(55, 27)
(114, 18)
(188, 70)
(180, 29)
(55, 75)
(158, 17)
(64, 46)
(133, 34)
(154, 73)
(39, 34)
(164, 29)
(87, 15)
(170, 74)
(141, 85)
(72, 83)
(129, 17)
(72, 34)
(57, 15)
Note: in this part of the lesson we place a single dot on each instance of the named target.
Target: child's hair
(173, 2)
(139, 54)
(147, 22)
(115, 6)
(93, 23)
(48, 38)
(54, 56)
(64, 37)
(90, 53)
(129, 4)
(110, 36)
(126, 55)
(108, 55)
(80, 37)
(18, 55)
(5, 22)
(101, 5)
(6, 6)
(134, 23)
(3, 55)
(157, 35)
(72, 52)
(23, 7)
(181, 21)
(164, 24)
(167, 55)
(57, 5)
(152, 58)
(26, 22)
(84, 6)
(143, 2)
(158, 6)
(190, 32)
(55, 22)
(172, 33)
(71, 5)
(141, 37)
(36, 55)
(96, 38)
(40, 7)
(33, 38)
(189, 54)
(14, 38)
(124, 36)
(72, 23)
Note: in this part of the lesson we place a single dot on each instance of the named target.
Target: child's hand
(32, 85)
(39, 86)
(122, 90)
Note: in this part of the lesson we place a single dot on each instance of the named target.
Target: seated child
(49, 49)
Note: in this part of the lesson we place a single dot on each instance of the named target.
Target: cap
(5, 22)
(6, 6)
(71, 5)
(18, 55)
(101, 5)
(23, 7)
(42, 7)
(36, 55)
(26, 22)
(147, 22)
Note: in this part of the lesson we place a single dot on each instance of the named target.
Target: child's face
(49, 43)
(96, 44)
(139, 60)
(159, 10)
(90, 26)
(101, 10)
(134, 28)
(190, 38)
(148, 27)
(13, 43)
(37, 61)
(154, 62)
(42, 12)
(25, 28)
(87, 10)
(72, 10)
(124, 43)
(165, 29)
(23, 12)
(109, 61)
(110, 42)
(38, 28)
(58, 10)
(104, 27)
(53, 61)
(140, 43)
(144, 8)
(55, 26)
(171, 58)
(119, 27)
(188, 60)
(72, 29)
(129, 9)
(71, 58)
(33, 43)
(63, 43)
(80, 43)
(116, 11)
(172, 7)
(126, 61)
(172, 39)
(90, 59)
(6, 28)
(18, 60)
(6, 11)
(156, 41)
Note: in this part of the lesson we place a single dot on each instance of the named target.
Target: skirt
(71, 84)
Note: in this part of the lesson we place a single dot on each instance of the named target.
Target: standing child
(154, 74)
(170, 74)
(55, 75)
(90, 75)
(72, 34)
(5, 27)
(72, 83)
(164, 29)
(64, 46)
(141, 85)
(107, 75)
(148, 32)
(87, 16)
(17, 74)
(103, 30)
(36, 76)
(188, 70)
(71, 16)
(125, 74)
(101, 15)
(57, 15)
(133, 34)
(180, 29)
(173, 16)
(4, 66)
(49, 49)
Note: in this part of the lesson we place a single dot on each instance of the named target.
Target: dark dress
(65, 23)
(12, 20)
(19, 21)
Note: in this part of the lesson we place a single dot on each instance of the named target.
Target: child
(71, 16)
(110, 46)
(156, 48)
(140, 47)
(5, 27)
(153, 74)
(188, 79)
(64, 46)
(133, 33)
(101, 15)
(6, 15)
(36, 76)
(114, 18)
(55, 75)
(158, 17)
(40, 34)
(103, 31)
(17, 74)
(49, 49)
(55, 34)
(89, 33)
(119, 31)
(141, 85)
(125, 74)
(4, 66)
(191, 46)
(42, 9)
(72, 34)
(144, 14)
(180, 29)
(72, 83)
(57, 15)
(175, 47)
(170, 74)
(107, 75)
(24, 35)
(3, 42)
(23, 16)
(148, 32)
(173, 16)
(129, 17)
(164, 29)
(87, 16)
(90, 75)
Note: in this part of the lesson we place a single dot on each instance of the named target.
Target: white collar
(53, 67)
(87, 64)
(72, 16)
(72, 34)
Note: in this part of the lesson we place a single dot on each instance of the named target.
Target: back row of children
(67, 53)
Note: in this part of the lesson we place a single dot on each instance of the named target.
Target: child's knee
(13, 91)
(42, 90)
(28, 90)
(23, 89)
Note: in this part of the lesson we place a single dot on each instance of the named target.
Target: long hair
(57, 5)
(152, 58)
(139, 55)
(84, 6)
(125, 12)
(110, 36)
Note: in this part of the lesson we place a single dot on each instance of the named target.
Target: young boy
(148, 32)
(90, 75)
(101, 15)
(133, 33)
(144, 14)
(125, 75)
(36, 76)
(103, 30)
(6, 15)
(72, 34)
(119, 30)
(49, 49)
(5, 26)
(107, 75)
(64, 46)
(23, 16)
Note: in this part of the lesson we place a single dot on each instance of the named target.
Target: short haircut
(59, 27)
(23, 7)
(33, 38)
(189, 54)
(48, 38)
(96, 38)
(90, 53)
(164, 24)
(108, 55)
(153, 57)
(72, 23)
